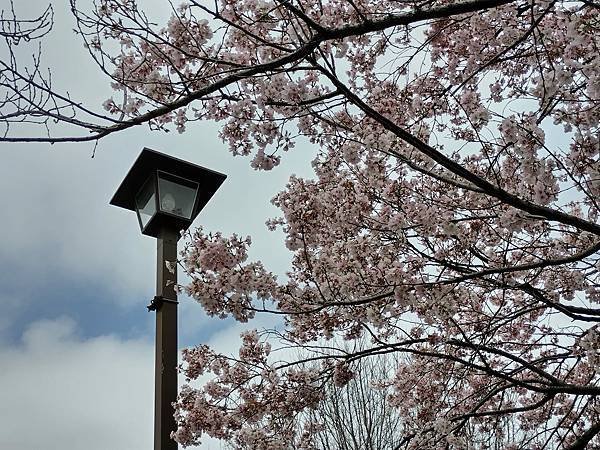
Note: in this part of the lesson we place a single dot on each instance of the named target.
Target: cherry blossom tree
(452, 220)
(354, 416)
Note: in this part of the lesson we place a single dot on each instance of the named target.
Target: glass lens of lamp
(145, 202)
(177, 195)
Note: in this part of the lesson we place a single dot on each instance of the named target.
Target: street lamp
(167, 194)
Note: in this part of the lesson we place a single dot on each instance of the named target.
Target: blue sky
(76, 341)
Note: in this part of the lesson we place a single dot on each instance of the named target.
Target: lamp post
(167, 194)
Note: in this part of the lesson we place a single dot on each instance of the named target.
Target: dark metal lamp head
(166, 192)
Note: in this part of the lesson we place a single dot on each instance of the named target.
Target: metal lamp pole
(167, 194)
(165, 360)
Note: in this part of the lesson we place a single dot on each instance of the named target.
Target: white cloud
(58, 392)
(61, 392)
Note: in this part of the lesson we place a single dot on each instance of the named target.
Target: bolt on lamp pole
(167, 194)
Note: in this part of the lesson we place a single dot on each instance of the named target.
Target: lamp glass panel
(177, 195)
(145, 202)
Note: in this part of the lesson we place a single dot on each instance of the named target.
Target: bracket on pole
(157, 302)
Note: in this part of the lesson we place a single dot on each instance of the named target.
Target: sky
(76, 274)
